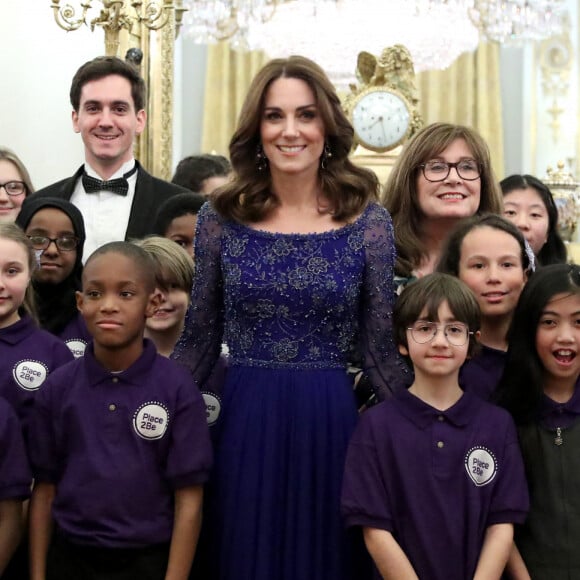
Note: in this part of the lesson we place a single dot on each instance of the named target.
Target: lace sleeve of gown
(199, 346)
(383, 365)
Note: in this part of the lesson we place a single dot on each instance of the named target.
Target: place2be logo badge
(150, 420)
(481, 465)
(213, 407)
(30, 374)
(77, 346)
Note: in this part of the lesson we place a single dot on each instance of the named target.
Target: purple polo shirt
(435, 479)
(481, 374)
(15, 476)
(117, 446)
(28, 355)
(76, 335)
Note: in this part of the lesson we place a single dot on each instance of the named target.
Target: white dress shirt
(106, 214)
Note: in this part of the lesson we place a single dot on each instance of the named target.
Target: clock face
(381, 120)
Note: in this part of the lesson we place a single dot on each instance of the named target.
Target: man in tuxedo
(117, 197)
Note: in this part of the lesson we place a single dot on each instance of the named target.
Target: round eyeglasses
(424, 331)
(14, 187)
(467, 169)
(63, 243)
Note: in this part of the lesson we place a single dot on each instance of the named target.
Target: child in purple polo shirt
(489, 254)
(15, 482)
(119, 447)
(434, 476)
(27, 353)
(173, 269)
(540, 388)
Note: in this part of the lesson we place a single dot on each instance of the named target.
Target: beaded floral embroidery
(297, 301)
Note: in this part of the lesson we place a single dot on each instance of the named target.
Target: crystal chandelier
(210, 21)
(517, 21)
(333, 32)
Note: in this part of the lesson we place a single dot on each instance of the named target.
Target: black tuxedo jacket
(150, 193)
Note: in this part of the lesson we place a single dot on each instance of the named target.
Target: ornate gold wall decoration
(565, 190)
(160, 148)
(556, 57)
(383, 108)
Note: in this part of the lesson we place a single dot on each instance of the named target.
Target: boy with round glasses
(434, 476)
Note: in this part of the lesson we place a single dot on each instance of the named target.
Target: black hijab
(56, 303)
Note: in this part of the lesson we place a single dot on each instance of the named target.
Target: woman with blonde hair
(294, 264)
(15, 185)
(443, 174)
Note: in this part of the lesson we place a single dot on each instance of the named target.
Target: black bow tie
(119, 186)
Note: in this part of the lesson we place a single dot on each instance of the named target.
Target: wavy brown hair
(249, 198)
(400, 195)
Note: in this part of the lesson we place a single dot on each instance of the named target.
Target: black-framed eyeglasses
(63, 243)
(14, 187)
(467, 169)
(424, 331)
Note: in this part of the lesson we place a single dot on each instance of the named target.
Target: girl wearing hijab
(56, 230)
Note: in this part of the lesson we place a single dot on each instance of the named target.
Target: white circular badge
(30, 374)
(213, 407)
(150, 420)
(77, 346)
(481, 465)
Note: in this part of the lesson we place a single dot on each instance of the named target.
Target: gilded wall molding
(556, 57)
(161, 78)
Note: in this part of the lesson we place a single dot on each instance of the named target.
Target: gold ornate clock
(382, 109)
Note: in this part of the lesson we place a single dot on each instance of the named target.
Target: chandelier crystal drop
(210, 21)
(517, 21)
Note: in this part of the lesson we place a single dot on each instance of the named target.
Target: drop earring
(326, 156)
(261, 159)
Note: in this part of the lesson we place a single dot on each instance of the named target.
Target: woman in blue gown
(294, 267)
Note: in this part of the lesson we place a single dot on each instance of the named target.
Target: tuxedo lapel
(143, 207)
(66, 187)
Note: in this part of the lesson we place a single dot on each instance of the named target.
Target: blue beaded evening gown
(289, 307)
